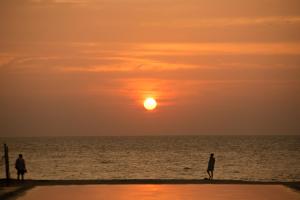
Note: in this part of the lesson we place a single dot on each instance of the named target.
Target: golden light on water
(150, 103)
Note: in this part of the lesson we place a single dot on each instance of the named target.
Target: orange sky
(83, 67)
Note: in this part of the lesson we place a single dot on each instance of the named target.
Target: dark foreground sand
(161, 192)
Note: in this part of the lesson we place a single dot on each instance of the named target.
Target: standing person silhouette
(20, 167)
(211, 166)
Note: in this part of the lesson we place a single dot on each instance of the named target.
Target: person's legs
(18, 175)
(212, 174)
(208, 172)
(22, 175)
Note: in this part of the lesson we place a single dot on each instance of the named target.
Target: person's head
(211, 155)
(20, 156)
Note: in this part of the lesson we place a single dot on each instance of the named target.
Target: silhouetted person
(211, 166)
(20, 167)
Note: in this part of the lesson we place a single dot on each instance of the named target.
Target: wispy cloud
(225, 22)
(221, 48)
(150, 58)
(41, 2)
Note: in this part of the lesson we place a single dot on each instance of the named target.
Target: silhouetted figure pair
(20, 167)
(211, 166)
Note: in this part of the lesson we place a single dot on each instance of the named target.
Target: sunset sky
(84, 67)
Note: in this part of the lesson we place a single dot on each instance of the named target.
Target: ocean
(258, 158)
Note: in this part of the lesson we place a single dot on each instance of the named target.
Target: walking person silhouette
(20, 167)
(211, 166)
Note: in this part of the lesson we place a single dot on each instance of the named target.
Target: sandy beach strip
(192, 187)
(161, 192)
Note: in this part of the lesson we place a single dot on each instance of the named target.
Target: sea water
(267, 158)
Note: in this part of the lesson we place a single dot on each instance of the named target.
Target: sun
(150, 103)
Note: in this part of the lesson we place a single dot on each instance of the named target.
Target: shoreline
(141, 181)
(22, 186)
(36, 182)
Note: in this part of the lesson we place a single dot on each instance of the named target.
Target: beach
(161, 167)
(161, 192)
(151, 189)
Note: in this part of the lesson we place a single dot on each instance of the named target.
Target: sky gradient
(84, 67)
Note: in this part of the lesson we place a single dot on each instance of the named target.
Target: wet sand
(186, 186)
(161, 192)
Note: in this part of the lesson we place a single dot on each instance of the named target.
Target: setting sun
(150, 103)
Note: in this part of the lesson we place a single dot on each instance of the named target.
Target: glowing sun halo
(150, 103)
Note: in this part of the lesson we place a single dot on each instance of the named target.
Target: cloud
(14, 3)
(205, 61)
(225, 22)
(220, 48)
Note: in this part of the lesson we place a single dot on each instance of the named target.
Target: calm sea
(272, 158)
